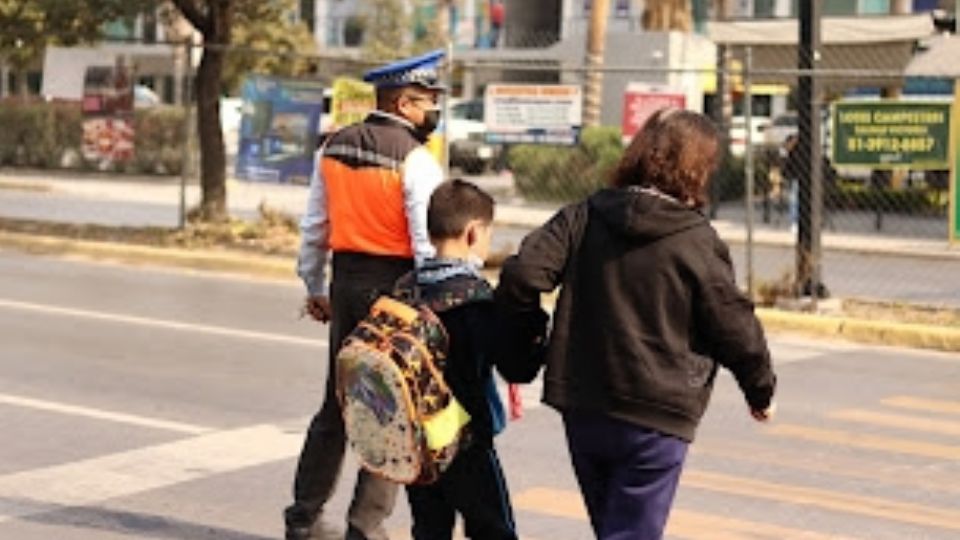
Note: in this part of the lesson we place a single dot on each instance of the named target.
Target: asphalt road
(148, 404)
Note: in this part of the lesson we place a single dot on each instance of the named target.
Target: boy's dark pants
(357, 281)
(628, 474)
(473, 486)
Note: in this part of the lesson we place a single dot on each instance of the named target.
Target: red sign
(640, 102)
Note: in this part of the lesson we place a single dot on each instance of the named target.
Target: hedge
(566, 173)
(49, 135)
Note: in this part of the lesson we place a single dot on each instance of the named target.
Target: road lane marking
(867, 442)
(874, 507)
(92, 481)
(914, 423)
(162, 323)
(100, 414)
(926, 405)
(682, 523)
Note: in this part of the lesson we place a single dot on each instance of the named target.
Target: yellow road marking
(913, 423)
(860, 468)
(867, 442)
(863, 505)
(928, 405)
(682, 524)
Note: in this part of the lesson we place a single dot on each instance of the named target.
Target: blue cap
(423, 70)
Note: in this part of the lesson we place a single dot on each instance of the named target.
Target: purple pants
(628, 474)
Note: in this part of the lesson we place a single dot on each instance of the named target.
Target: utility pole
(596, 39)
(810, 151)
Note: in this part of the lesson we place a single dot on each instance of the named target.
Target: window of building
(308, 13)
(840, 7)
(874, 7)
(149, 22)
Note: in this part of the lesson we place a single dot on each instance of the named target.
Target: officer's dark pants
(628, 474)
(358, 280)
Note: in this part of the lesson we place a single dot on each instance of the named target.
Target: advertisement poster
(107, 106)
(642, 100)
(533, 113)
(279, 129)
(352, 101)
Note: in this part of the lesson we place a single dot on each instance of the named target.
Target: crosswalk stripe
(99, 414)
(866, 442)
(874, 507)
(682, 523)
(913, 423)
(926, 405)
(92, 481)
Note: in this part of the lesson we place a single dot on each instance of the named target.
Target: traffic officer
(368, 208)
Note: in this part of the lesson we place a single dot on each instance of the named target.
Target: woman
(647, 311)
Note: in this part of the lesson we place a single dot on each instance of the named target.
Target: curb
(918, 336)
(264, 266)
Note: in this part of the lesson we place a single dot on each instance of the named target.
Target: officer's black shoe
(298, 533)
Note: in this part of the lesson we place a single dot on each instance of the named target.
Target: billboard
(642, 100)
(279, 129)
(533, 113)
(892, 134)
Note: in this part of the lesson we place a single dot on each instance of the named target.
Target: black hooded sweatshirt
(647, 310)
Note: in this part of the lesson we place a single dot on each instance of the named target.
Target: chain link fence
(884, 227)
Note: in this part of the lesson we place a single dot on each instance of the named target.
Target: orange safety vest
(361, 167)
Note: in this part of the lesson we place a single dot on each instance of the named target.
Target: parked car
(738, 133)
(467, 133)
(777, 132)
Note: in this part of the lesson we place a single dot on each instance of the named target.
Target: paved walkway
(154, 201)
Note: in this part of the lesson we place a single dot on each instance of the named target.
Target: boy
(459, 220)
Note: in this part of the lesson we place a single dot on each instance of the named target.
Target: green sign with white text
(892, 134)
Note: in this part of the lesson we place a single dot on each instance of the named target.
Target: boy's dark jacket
(648, 308)
(481, 335)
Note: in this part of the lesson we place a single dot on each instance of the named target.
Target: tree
(596, 39)
(28, 26)
(214, 20)
(265, 26)
(388, 23)
(667, 15)
(250, 27)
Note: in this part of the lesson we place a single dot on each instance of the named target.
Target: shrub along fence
(50, 135)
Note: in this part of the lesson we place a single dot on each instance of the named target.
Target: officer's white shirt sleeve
(421, 175)
(315, 236)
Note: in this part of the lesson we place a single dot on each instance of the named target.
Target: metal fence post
(185, 152)
(748, 164)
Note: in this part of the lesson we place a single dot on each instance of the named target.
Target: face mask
(430, 120)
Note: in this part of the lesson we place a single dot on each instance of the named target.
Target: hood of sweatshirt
(643, 213)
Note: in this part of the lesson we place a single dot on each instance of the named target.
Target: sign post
(955, 168)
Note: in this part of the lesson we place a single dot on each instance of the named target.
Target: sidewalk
(137, 194)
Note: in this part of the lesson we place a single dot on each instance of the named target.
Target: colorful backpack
(401, 418)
